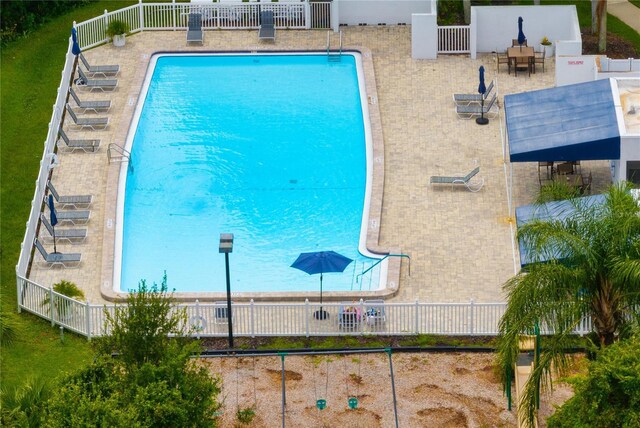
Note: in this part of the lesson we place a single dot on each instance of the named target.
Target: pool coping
(375, 197)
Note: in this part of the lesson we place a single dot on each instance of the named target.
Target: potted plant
(116, 31)
(547, 46)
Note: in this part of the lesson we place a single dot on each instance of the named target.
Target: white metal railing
(320, 13)
(454, 39)
(283, 319)
(174, 16)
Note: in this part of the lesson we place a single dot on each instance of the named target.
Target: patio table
(521, 55)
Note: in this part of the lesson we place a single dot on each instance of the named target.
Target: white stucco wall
(496, 26)
(424, 36)
(374, 12)
(575, 69)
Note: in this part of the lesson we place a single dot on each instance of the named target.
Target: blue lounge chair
(92, 122)
(58, 259)
(194, 30)
(64, 143)
(267, 28)
(104, 70)
(94, 106)
(70, 235)
(75, 201)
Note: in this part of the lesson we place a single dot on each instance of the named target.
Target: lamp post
(226, 246)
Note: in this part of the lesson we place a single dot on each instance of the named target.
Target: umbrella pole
(482, 120)
(321, 311)
(55, 250)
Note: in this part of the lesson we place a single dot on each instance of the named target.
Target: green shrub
(116, 27)
(8, 328)
(245, 415)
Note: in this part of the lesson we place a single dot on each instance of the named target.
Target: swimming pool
(271, 148)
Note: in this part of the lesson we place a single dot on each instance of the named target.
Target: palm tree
(586, 265)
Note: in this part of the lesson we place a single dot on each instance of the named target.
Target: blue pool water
(269, 148)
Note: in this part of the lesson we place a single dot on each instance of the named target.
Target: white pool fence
(253, 319)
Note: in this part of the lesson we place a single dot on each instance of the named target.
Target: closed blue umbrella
(321, 262)
(482, 89)
(53, 219)
(521, 37)
(75, 49)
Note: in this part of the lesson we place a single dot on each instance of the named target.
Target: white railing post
(173, 13)
(51, 306)
(416, 327)
(306, 317)
(362, 317)
(198, 320)
(20, 285)
(251, 318)
(141, 15)
(87, 312)
(471, 317)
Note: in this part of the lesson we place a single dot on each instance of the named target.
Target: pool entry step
(335, 56)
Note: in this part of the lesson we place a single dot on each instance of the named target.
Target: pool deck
(461, 243)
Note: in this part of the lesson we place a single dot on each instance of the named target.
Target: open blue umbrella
(482, 89)
(521, 36)
(75, 49)
(321, 262)
(53, 218)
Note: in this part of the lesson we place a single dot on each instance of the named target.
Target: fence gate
(454, 39)
(320, 14)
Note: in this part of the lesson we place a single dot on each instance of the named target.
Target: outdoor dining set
(520, 56)
(570, 172)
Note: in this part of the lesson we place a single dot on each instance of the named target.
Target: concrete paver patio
(460, 243)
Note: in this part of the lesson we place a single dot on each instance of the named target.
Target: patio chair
(471, 110)
(374, 312)
(70, 235)
(471, 185)
(104, 70)
(267, 28)
(93, 122)
(69, 201)
(349, 316)
(194, 29)
(64, 143)
(58, 259)
(74, 216)
(466, 99)
(94, 106)
(502, 58)
(539, 59)
(103, 84)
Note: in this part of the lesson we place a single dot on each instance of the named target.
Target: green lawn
(636, 3)
(30, 77)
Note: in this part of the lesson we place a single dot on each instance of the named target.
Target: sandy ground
(432, 390)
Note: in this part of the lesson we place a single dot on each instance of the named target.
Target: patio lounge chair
(349, 316)
(104, 70)
(94, 106)
(473, 186)
(466, 99)
(58, 259)
(471, 110)
(194, 29)
(91, 84)
(73, 145)
(69, 235)
(93, 122)
(267, 28)
(70, 201)
(73, 217)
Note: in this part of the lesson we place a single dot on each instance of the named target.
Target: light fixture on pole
(226, 247)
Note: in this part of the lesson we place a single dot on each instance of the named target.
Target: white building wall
(374, 12)
(496, 26)
(575, 69)
(424, 36)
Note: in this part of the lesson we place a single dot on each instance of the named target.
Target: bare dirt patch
(444, 390)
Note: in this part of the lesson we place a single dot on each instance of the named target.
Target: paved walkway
(626, 12)
(461, 243)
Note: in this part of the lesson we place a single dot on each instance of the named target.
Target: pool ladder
(335, 56)
(117, 153)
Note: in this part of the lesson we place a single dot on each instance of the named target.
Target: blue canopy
(567, 123)
(556, 210)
